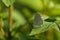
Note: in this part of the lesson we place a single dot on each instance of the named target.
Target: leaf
(58, 21)
(50, 19)
(46, 2)
(44, 28)
(41, 29)
(54, 26)
(55, 11)
(44, 17)
(56, 1)
(33, 4)
(1, 37)
(57, 35)
(4, 14)
(19, 36)
(8, 2)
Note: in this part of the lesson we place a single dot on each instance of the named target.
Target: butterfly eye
(38, 21)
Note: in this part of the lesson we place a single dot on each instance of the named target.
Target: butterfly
(38, 21)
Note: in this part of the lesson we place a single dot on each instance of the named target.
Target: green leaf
(8, 2)
(46, 2)
(56, 1)
(34, 4)
(1, 37)
(57, 35)
(44, 28)
(40, 29)
(54, 26)
(4, 14)
(55, 11)
(19, 36)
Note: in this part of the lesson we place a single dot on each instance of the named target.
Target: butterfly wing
(38, 21)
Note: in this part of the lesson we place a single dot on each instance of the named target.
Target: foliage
(23, 14)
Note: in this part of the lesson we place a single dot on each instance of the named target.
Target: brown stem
(10, 16)
(10, 22)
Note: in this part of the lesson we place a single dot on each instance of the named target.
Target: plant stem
(10, 16)
(10, 22)
(0, 24)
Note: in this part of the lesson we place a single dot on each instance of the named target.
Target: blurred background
(23, 14)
